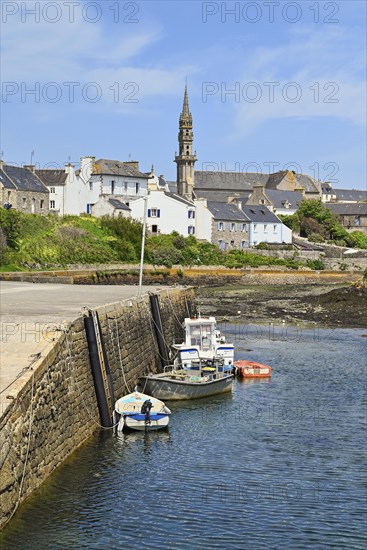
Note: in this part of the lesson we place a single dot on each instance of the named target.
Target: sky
(272, 85)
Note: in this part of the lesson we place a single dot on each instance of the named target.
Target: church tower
(185, 159)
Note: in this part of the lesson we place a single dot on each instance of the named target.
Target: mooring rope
(27, 452)
(78, 389)
(118, 345)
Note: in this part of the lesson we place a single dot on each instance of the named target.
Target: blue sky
(271, 84)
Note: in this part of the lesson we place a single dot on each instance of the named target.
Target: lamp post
(143, 244)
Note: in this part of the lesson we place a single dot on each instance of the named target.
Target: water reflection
(273, 465)
(254, 380)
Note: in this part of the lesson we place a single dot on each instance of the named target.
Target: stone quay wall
(52, 406)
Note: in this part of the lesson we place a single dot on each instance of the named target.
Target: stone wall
(22, 200)
(52, 408)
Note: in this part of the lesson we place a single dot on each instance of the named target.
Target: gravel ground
(328, 305)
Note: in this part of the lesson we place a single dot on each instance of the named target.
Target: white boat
(203, 341)
(203, 365)
(139, 411)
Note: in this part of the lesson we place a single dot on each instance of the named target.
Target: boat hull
(173, 390)
(140, 424)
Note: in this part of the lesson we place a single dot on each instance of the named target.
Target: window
(42, 202)
(52, 190)
(137, 187)
(24, 203)
(154, 228)
(125, 186)
(221, 244)
(112, 187)
(89, 208)
(90, 186)
(232, 244)
(262, 201)
(244, 244)
(154, 213)
(358, 220)
(52, 205)
(191, 230)
(191, 214)
(255, 227)
(274, 228)
(221, 226)
(9, 195)
(233, 227)
(265, 228)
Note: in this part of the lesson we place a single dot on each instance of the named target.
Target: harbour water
(278, 464)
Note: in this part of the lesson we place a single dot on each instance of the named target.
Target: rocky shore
(324, 304)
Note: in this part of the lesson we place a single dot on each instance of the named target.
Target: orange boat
(252, 369)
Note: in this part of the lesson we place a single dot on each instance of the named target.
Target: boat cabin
(204, 343)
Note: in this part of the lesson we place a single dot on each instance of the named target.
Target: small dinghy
(252, 369)
(138, 411)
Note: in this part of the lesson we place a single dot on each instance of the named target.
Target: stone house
(21, 188)
(349, 195)
(353, 215)
(222, 224)
(224, 186)
(278, 201)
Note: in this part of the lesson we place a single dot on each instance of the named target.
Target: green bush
(262, 246)
(316, 238)
(317, 265)
(11, 224)
(358, 239)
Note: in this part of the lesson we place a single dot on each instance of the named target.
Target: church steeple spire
(185, 117)
(185, 160)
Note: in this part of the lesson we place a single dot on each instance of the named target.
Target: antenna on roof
(32, 155)
(129, 156)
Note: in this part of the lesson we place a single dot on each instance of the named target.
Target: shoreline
(325, 305)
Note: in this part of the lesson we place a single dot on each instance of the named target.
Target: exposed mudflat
(327, 305)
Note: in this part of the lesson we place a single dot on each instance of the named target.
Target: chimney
(1, 164)
(70, 170)
(134, 164)
(86, 167)
(31, 167)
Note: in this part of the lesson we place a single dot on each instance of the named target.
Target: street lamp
(143, 243)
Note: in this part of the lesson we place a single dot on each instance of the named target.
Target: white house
(122, 180)
(265, 226)
(166, 212)
(110, 206)
(63, 186)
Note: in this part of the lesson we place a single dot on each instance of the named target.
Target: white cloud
(327, 71)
